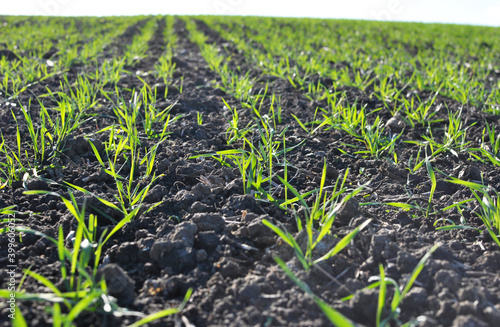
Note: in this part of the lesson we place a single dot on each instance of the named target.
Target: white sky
(477, 12)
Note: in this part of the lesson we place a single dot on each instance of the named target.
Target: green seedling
(109, 72)
(144, 105)
(489, 206)
(9, 171)
(238, 86)
(87, 231)
(234, 132)
(130, 193)
(165, 67)
(312, 123)
(257, 164)
(387, 90)
(490, 146)
(362, 81)
(375, 142)
(136, 51)
(316, 92)
(416, 202)
(84, 292)
(333, 315)
(454, 139)
(415, 164)
(249, 165)
(8, 210)
(319, 219)
(164, 313)
(399, 292)
(421, 114)
(493, 140)
(432, 176)
(199, 118)
(346, 117)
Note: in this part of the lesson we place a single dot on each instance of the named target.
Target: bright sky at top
(478, 12)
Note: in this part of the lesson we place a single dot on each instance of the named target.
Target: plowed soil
(208, 235)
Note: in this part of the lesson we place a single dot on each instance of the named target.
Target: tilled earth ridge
(218, 245)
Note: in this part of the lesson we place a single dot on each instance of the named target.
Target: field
(229, 171)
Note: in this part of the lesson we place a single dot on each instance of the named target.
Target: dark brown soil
(206, 234)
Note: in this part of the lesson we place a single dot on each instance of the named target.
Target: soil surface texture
(208, 235)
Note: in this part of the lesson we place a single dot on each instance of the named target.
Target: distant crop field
(248, 171)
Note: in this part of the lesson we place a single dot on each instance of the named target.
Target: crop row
(318, 59)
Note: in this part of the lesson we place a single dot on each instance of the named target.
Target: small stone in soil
(184, 232)
(208, 222)
(447, 279)
(348, 210)
(208, 239)
(470, 173)
(201, 255)
(469, 321)
(119, 284)
(261, 234)
(406, 262)
(249, 293)
(415, 298)
(126, 253)
(492, 315)
(229, 268)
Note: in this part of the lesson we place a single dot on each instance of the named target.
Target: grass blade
(164, 313)
(343, 242)
(333, 315)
